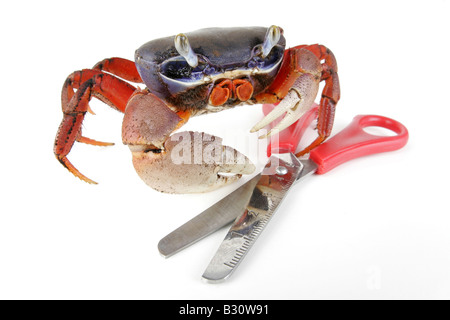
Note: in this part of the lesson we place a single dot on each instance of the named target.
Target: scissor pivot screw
(281, 171)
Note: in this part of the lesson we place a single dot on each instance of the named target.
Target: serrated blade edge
(277, 178)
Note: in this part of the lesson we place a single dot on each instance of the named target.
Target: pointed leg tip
(89, 181)
(105, 144)
(94, 142)
(69, 166)
(90, 110)
(82, 177)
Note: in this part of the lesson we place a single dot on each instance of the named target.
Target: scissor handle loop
(353, 142)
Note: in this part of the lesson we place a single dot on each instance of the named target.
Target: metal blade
(277, 178)
(212, 219)
(308, 168)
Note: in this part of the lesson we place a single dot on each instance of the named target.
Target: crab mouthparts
(240, 89)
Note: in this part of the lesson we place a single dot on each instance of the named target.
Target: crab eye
(271, 39)
(185, 50)
(178, 68)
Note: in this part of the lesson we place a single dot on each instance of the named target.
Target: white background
(377, 227)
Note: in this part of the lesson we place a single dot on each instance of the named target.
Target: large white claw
(296, 103)
(191, 162)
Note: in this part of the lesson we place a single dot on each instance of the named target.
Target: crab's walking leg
(120, 67)
(330, 95)
(88, 82)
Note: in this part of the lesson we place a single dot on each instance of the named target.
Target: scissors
(253, 204)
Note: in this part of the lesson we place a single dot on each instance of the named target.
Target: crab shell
(223, 53)
(176, 85)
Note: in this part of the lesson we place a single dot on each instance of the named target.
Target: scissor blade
(308, 168)
(266, 197)
(212, 219)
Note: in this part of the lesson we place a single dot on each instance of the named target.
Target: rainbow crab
(190, 74)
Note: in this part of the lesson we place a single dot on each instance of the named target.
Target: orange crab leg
(289, 72)
(111, 90)
(107, 88)
(120, 67)
(330, 95)
(94, 142)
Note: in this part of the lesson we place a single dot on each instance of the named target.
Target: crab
(200, 72)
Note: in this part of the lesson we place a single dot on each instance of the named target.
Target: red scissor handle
(353, 142)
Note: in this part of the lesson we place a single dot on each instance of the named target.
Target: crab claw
(191, 162)
(299, 99)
